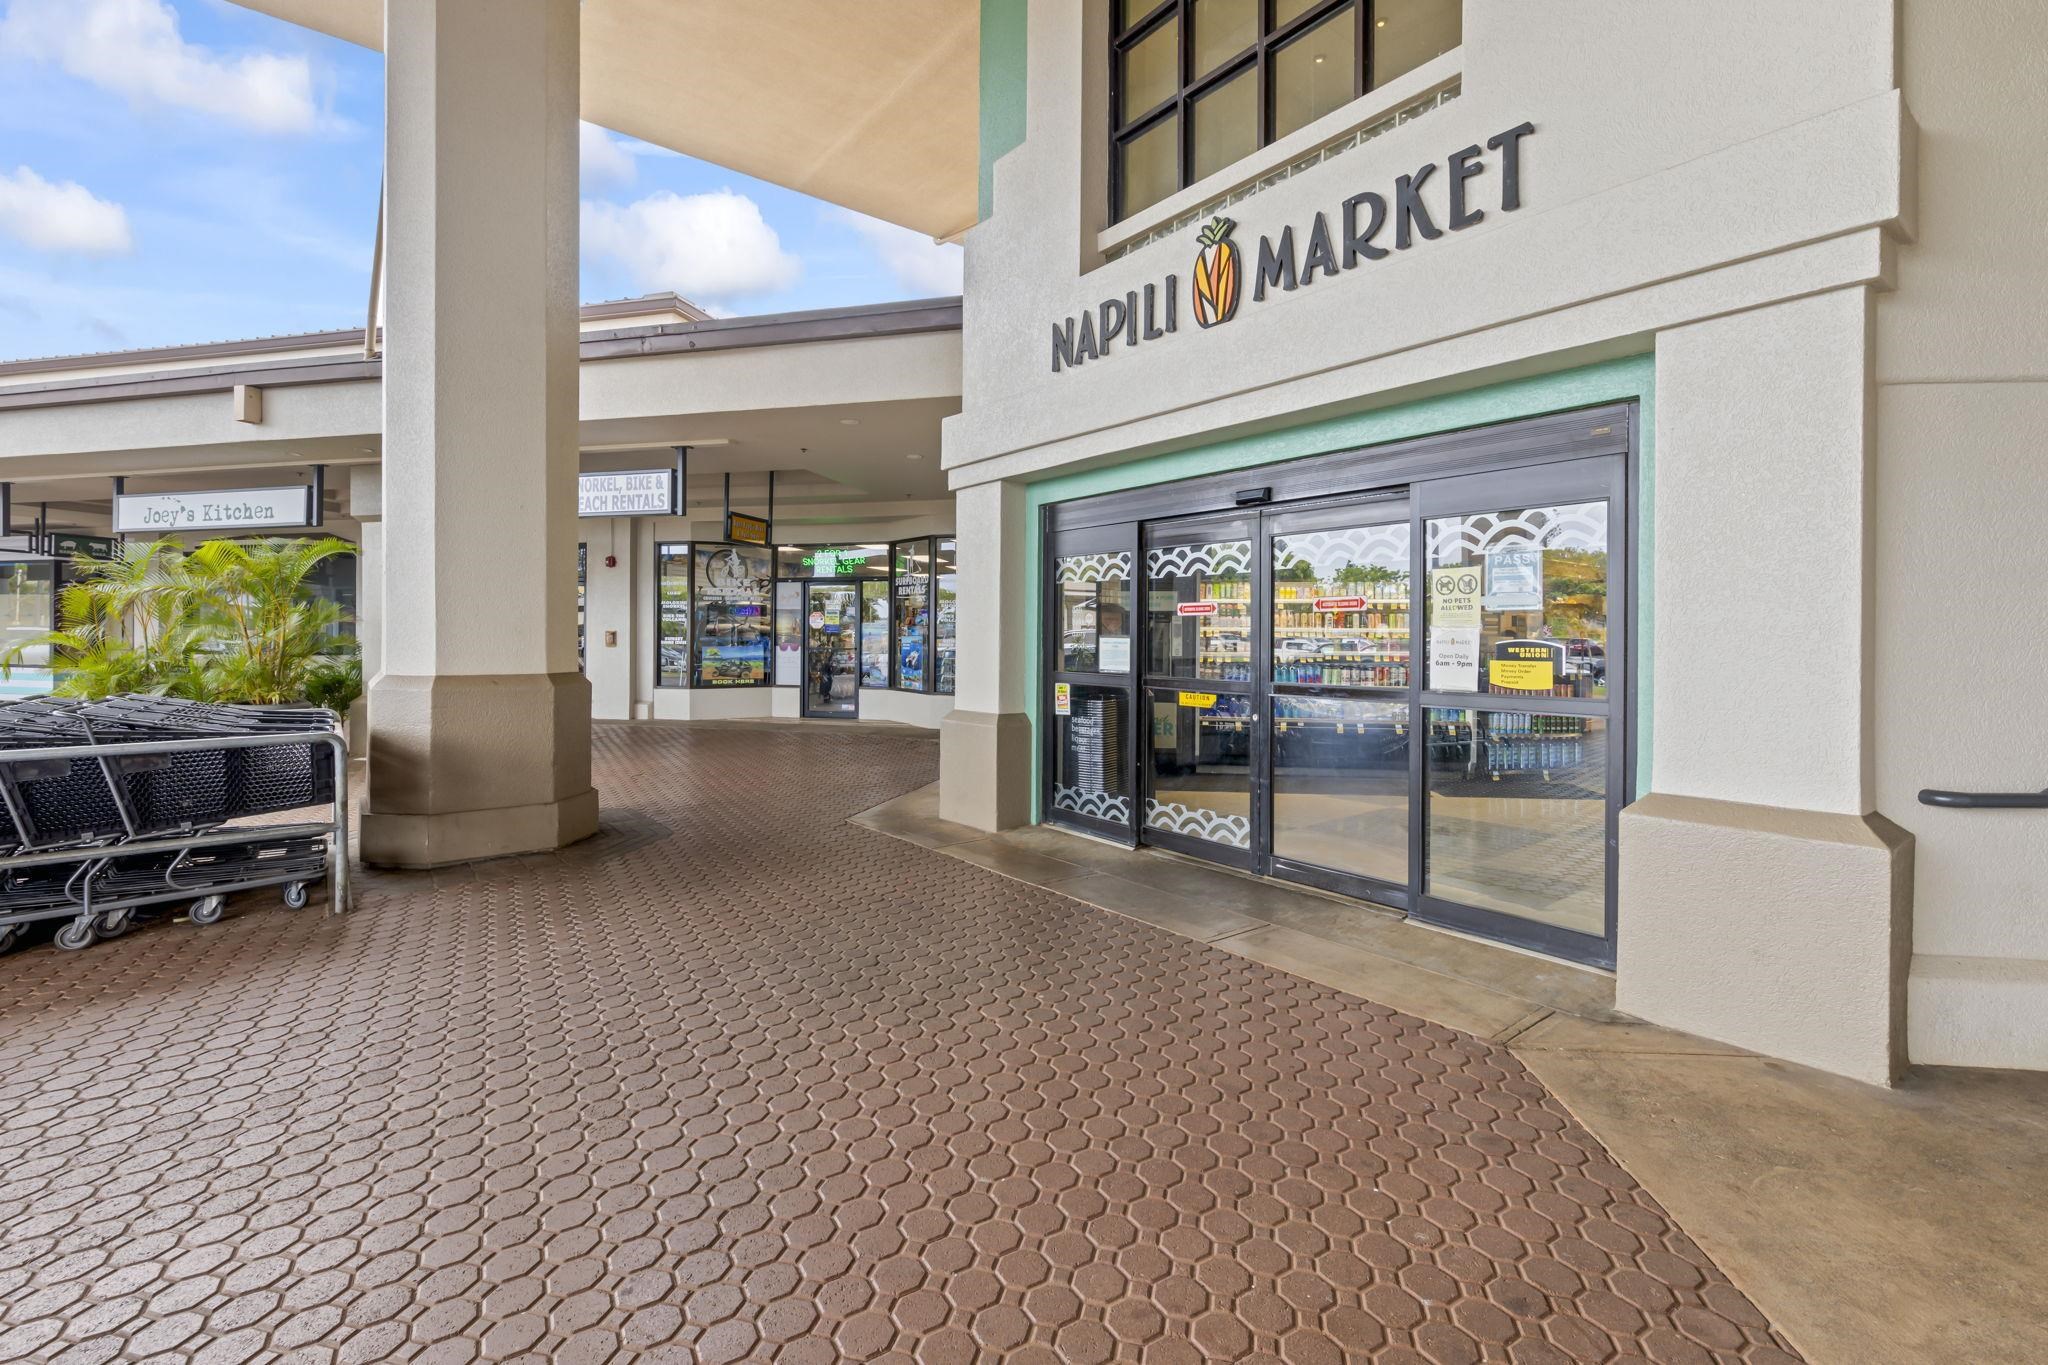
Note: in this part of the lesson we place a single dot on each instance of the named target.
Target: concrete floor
(1869, 1225)
(742, 1079)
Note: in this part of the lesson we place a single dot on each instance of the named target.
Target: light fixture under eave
(913, 456)
(849, 421)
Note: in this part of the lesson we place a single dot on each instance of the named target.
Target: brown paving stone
(738, 1080)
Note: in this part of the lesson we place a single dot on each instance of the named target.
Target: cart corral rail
(113, 872)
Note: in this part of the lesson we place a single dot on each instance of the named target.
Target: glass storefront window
(672, 615)
(1518, 815)
(1090, 778)
(582, 605)
(734, 615)
(789, 634)
(1198, 612)
(1407, 33)
(28, 608)
(1340, 607)
(1094, 612)
(874, 633)
(1201, 758)
(1340, 785)
(1518, 602)
(945, 614)
(912, 623)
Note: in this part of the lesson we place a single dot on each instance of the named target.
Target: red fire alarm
(611, 561)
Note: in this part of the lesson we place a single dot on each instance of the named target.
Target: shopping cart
(114, 806)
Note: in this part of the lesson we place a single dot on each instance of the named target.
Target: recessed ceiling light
(849, 421)
(1319, 59)
(913, 456)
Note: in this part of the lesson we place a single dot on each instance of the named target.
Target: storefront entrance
(832, 649)
(1266, 688)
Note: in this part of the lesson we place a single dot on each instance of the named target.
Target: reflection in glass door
(1199, 701)
(831, 656)
(1341, 698)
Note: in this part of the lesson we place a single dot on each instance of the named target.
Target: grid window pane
(1286, 12)
(1201, 765)
(1199, 610)
(1223, 28)
(1407, 33)
(1340, 785)
(1316, 72)
(1151, 164)
(1094, 612)
(1129, 12)
(1226, 123)
(1518, 602)
(1340, 606)
(874, 633)
(913, 617)
(1151, 70)
(1091, 779)
(1518, 815)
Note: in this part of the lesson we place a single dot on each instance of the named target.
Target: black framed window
(735, 608)
(945, 613)
(582, 607)
(1196, 84)
(910, 625)
(672, 614)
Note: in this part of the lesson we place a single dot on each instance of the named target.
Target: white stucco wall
(1962, 364)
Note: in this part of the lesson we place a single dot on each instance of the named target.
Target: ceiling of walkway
(870, 105)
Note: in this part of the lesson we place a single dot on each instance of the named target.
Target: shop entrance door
(1307, 714)
(831, 649)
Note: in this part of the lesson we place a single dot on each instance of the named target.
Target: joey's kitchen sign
(1367, 227)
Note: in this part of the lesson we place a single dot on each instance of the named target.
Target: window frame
(1191, 87)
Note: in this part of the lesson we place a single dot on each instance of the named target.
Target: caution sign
(1200, 701)
(1525, 666)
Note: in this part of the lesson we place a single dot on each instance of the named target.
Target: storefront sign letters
(1287, 261)
(627, 493)
(227, 510)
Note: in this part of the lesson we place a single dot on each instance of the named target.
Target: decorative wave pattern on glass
(1215, 558)
(1581, 526)
(1213, 825)
(1328, 553)
(1097, 804)
(1106, 567)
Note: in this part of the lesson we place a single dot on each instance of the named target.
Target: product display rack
(1365, 646)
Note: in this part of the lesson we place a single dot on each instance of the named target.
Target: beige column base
(469, 767)
(1787, 932)
(985, 769)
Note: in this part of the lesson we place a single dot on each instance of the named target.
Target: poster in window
(735, 630)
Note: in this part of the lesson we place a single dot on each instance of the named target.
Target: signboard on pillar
(91, 547)
(232, 509)
(627, 493)
(742, 529)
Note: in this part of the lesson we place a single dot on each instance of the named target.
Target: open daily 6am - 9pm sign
(226, 510)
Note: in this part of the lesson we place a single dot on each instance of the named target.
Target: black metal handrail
(1985, 800)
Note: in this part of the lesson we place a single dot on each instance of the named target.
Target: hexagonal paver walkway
(738, 1080)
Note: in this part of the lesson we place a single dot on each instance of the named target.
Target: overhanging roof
(869, 104)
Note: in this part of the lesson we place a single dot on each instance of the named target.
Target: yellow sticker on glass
(1520, 675)
(1201, 701)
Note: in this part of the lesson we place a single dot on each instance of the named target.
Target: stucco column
(985, 741)
(481, 742)
(1763, 900)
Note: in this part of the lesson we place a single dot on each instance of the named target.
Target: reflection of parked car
(1295, 648)
(1347, 647)
(1585, 656)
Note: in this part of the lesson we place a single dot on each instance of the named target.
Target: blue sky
(197, 171)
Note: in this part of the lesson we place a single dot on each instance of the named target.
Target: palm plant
(225, 621)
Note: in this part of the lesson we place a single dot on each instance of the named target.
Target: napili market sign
(1289, 261)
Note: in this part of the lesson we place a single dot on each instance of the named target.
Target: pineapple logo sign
(1216, 274)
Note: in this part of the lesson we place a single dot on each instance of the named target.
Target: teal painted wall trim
(1003, 30)
(1630, 379)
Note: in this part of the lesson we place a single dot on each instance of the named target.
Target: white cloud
(605, 159)
(66, 217)
(710, 248)
(133, 48)
(920, 265)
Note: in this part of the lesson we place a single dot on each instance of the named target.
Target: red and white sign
(1340, 604)
(1196, 608)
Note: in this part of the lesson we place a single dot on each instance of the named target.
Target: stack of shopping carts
(119, 805)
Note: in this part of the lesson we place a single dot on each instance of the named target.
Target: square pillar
(1763, 901)
(481, 744)
(985, 741)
